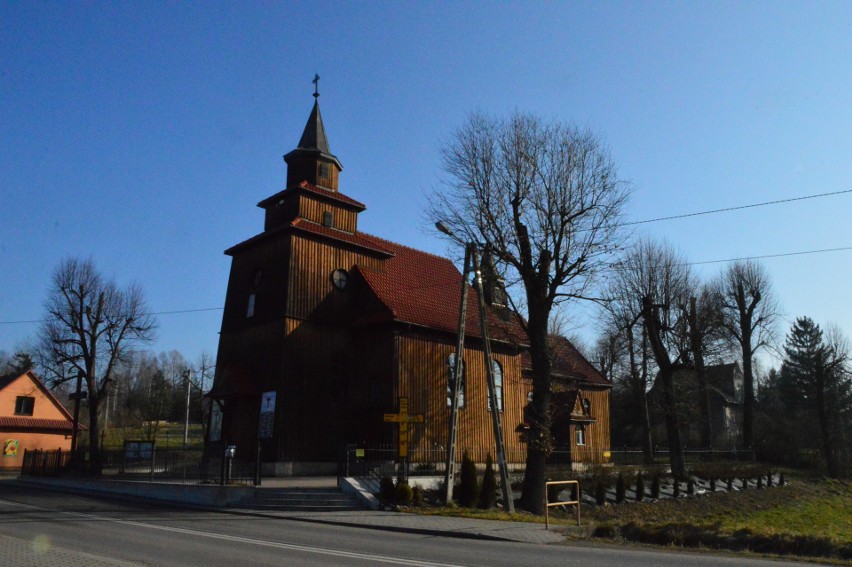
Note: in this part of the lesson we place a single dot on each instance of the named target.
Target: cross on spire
(316, 85)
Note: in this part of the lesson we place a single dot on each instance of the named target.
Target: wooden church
(326, 327)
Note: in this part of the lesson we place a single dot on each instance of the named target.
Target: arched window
(451, 365)
(497, 371)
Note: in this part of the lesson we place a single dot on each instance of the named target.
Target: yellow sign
(403, 418)
(10, 448)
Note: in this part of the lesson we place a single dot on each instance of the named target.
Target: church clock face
(339, 278)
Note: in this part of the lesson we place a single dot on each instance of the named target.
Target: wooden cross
(316, 85)
(403, 418)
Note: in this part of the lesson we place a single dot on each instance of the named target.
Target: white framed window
(451, 366)
(497, 372)
(580, 434)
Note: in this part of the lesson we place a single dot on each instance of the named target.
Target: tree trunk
(697, 348)
(746, 313)
(539, 437)
(640, 394)
(824, 425)
(652, 326)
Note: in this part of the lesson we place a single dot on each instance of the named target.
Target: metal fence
(44, 463)
(383, 459)
(172, 465)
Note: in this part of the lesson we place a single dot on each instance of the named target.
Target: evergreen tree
(469, 488)
(488, 491)
(815, 386)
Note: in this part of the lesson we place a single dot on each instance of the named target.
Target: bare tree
(90, 328)
(545, 199)
(750, 314)
(652, 282)
(703, 329)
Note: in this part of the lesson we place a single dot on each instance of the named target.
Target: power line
(631, 223)
(843, 248)
(176, 312)
(737, 208)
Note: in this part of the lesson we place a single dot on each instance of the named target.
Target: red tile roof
(423, 289)
(325, 193)
(21, 423)
(356, 238)
(569, 363)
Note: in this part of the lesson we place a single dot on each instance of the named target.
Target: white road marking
(248, 540)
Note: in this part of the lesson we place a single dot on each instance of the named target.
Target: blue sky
(143, 134)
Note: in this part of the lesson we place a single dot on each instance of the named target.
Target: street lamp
(471, 262)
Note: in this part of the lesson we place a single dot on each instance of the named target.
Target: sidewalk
(443, 526)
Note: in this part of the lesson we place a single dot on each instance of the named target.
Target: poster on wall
(215, 433)
(10, 448)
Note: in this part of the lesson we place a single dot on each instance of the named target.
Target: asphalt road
(45, 528)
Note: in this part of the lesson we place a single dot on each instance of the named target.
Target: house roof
(424, 289)
(568, 363)
(8, 380)
(28, 423)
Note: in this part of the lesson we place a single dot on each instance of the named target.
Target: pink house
(30, 418)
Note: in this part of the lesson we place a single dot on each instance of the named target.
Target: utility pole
(471, 261)
(186, 374)
(505, 484)
(455, 384)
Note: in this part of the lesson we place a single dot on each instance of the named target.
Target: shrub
(600, 492)
(416, 495)
(730, 484)
(488, 491)
(676, 488)
(403, 493)
(619, 489)
(640, 487)
(387, 490)
(469, 487)
(655, 486)
(782, 480)
(760, 481)
(713, 484)
(769, 479)
(690, 486)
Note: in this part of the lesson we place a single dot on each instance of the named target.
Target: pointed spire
(313, 138)
(305, 163)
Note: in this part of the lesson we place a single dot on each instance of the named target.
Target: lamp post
(471, 261)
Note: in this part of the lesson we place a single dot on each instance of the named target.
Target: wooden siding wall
(312, 209)
(270, 294)
(423, 375)
(310, 286)
(597, 433)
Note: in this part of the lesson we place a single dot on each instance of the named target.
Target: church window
(256, 278)
(250, 308)
(24, 405)
(324, 171)
(327, 218)
(587, 407)
(580, 434)
(451, 365)
(497, 372)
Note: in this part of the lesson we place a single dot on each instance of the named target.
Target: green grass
(167, 435)
(809, 517)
